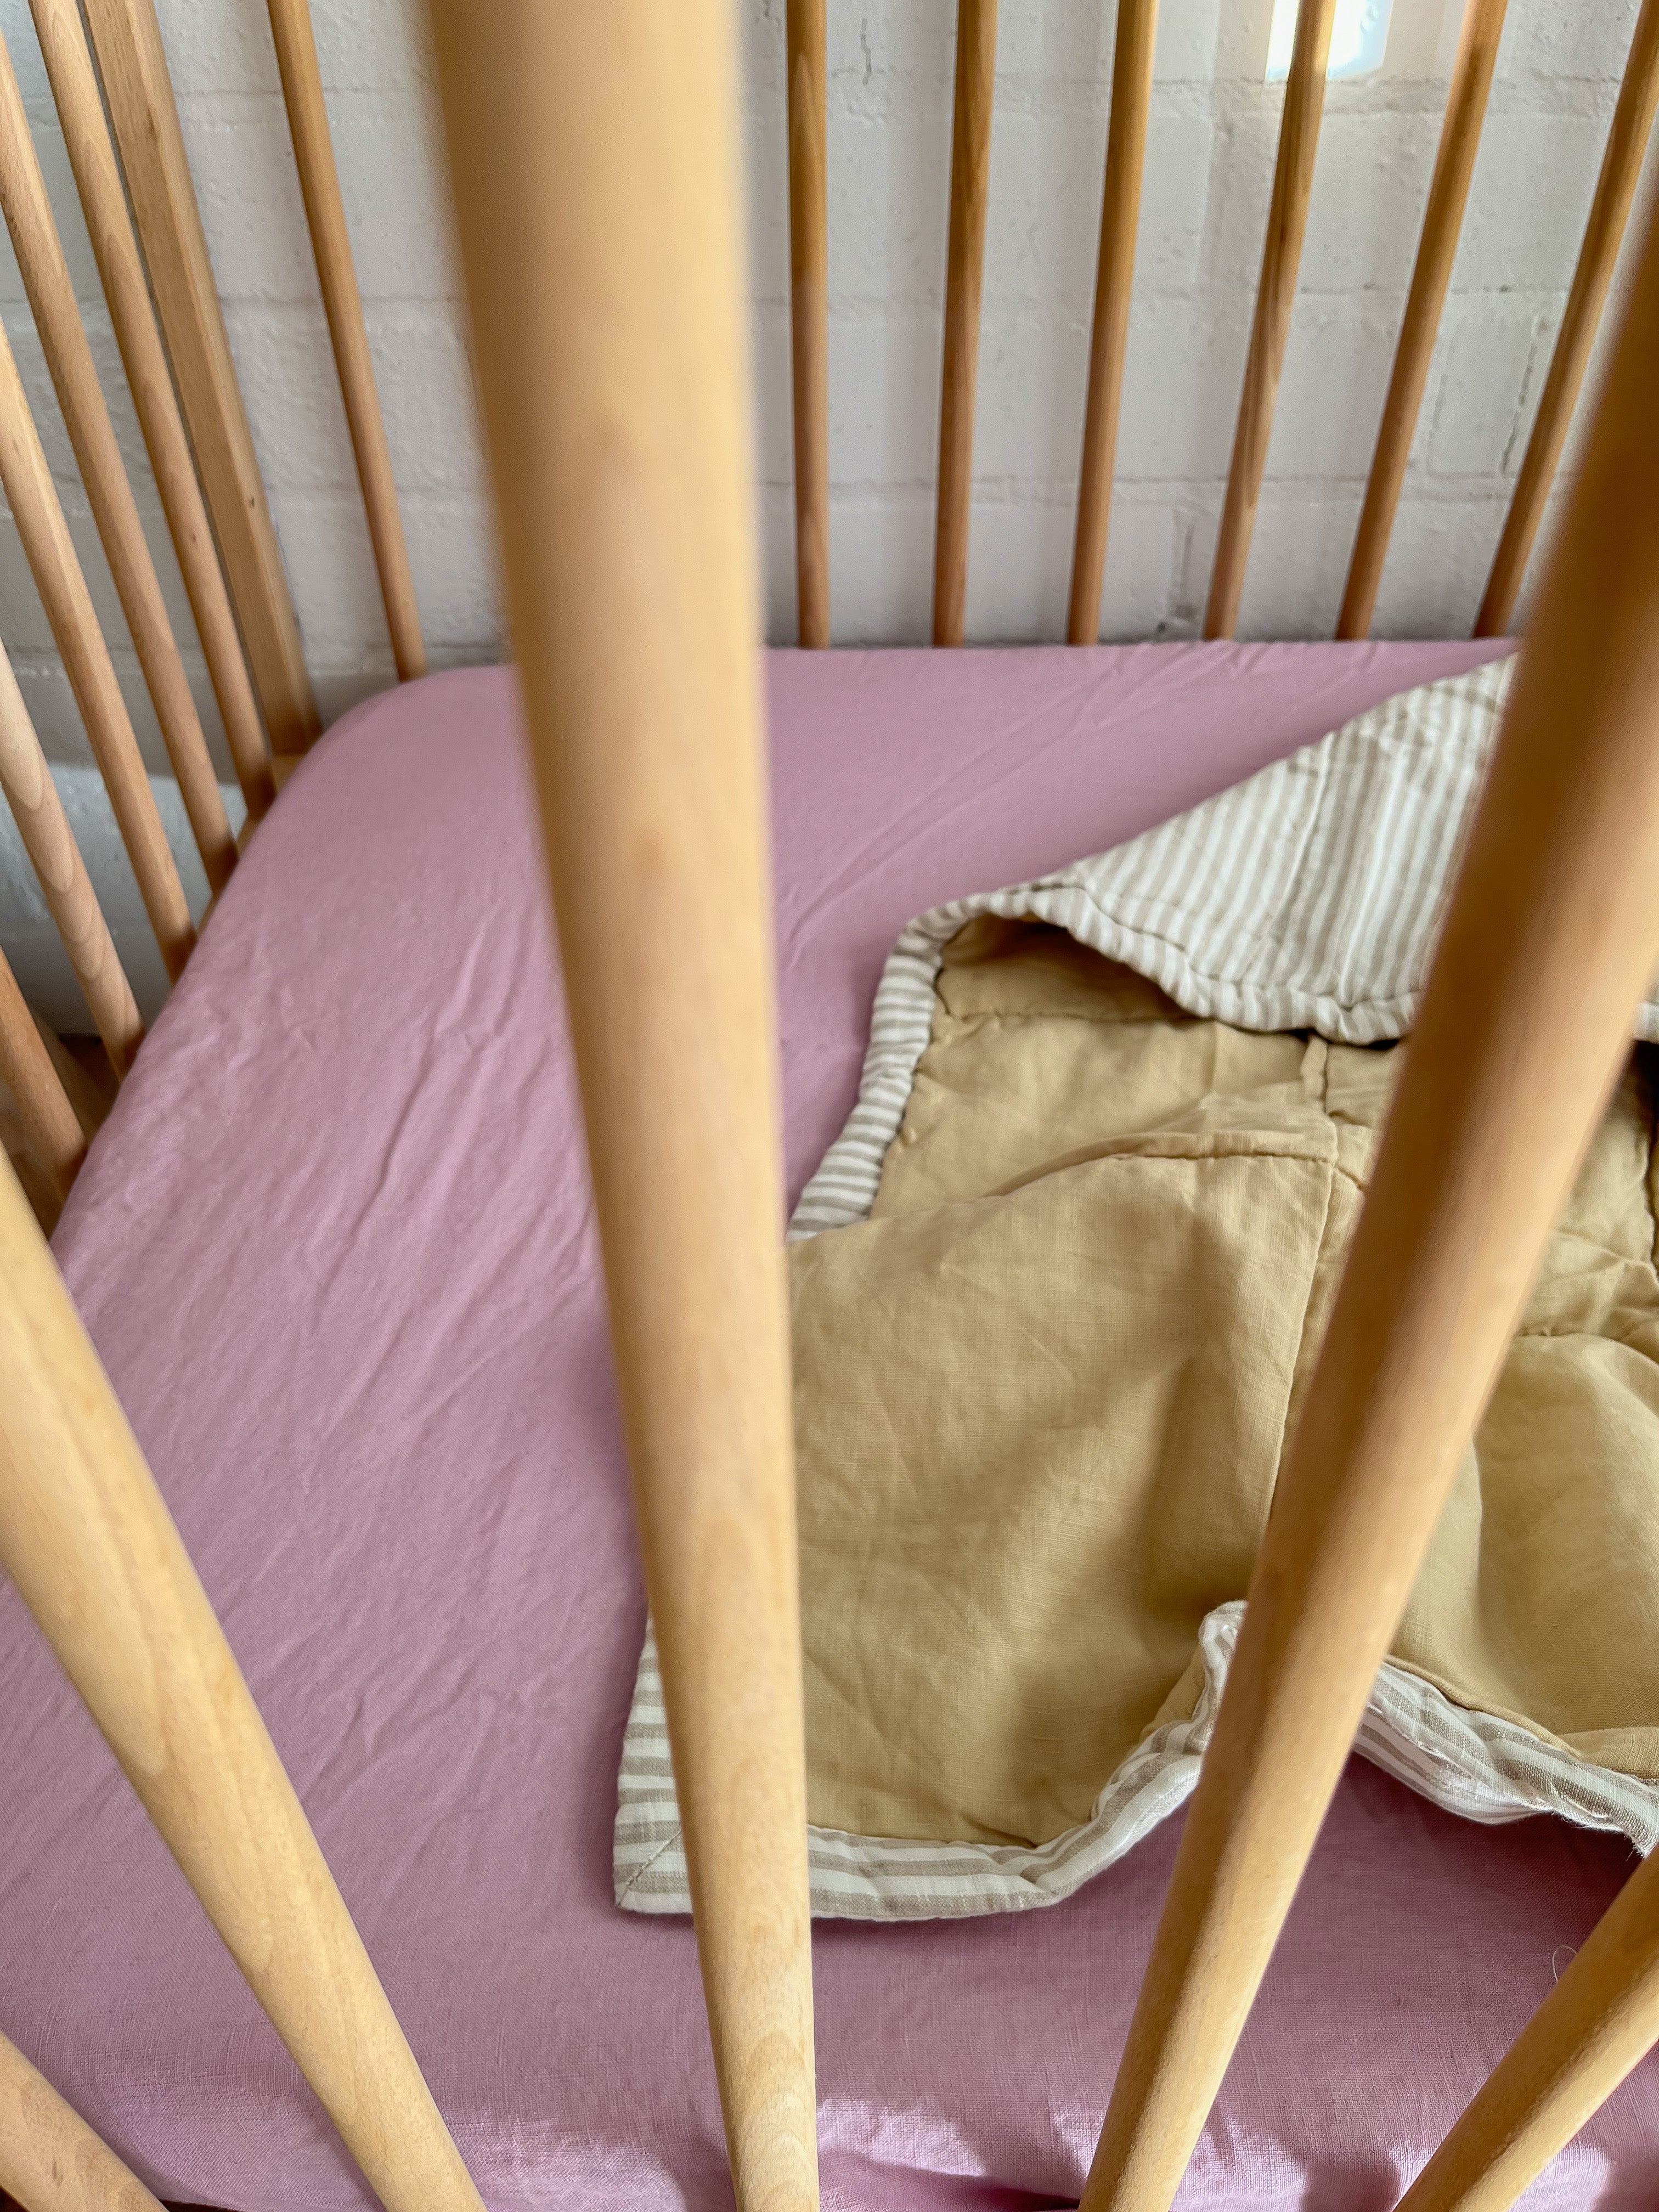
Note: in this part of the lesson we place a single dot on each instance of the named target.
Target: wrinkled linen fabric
(1059, 1288)
(336, 1246)
(1042, 1404)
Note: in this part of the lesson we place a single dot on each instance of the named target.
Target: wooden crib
(596, 174)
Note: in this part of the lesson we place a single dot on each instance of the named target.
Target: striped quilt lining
(1308, 897)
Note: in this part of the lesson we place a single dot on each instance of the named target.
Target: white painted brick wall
(1210, 162)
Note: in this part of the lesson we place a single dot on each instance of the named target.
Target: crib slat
(1119, 212)
(809, 315)
(66, 889)
(1615, 189)
(32, 498)
(86, 1537)
(1281, 256)
(319, 182)
(594, 156)
(132, 63)
(1549, 945)
(57, 320)
(50, 1123)
(92, 157)
(970, 177)
(1600, 2020)
(50, 2159)
(1437, 249)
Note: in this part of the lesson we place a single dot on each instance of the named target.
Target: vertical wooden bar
(103, 199)
(1615, 188)
(1119, 213)
(809, 317)
(32, 498)
(330, 243)
(127, 41)
(970, 177)
(51, 291)
(50, 1122)
(1549, 945)
(50, 2159)
(86, 1537)
(1600, 2021)
(595, 166)
(1281, 256)
(1437, 249)
(66, 889)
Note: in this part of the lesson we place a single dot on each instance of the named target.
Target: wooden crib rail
(970, 179)
(809, 316)
(87, 1538)
(1615, 189)
(1120, 214)
(1548, 946)
(51, 291)
(26, 782)
(127, 41)
(50, 2159)
(1282, 256)
(1437, 249)
(35, 508)
(1600, 2021)
(103, 199)
(593, 154)
(319, 184)
(57, 1141)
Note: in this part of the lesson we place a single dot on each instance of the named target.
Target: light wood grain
(103, 200)
(1600, 2021)
(33, 500)
(320, 183)
(132, 63)
(1549, 945)
(50, 1122)
(1615, 189)
(594, 159)
(1120, 216)
(1437, 249)
(58, 321)
(1275, 299)
(809, 317)
(86, 1537)
(970, 177)
(64, 883)
(50, 2159)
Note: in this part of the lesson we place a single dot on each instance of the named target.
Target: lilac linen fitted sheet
(337, 1249)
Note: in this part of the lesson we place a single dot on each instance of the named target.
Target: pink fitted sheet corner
(337, 1249)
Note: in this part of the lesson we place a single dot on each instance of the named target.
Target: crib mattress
(337, 1248)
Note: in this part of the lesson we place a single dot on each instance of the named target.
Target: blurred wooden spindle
(1615, 189)
(1437, 249)
(72, 903)
(32, 498)
(85, 1535)
(970, 177)
(1600, 2020)
(595, 157)
(144, 117)
(53, 1130)
(1549, 945)
(331, 242)
(50, 2159)
(1119, 212)
(63, 337)
(809, 317)
(1275, 298)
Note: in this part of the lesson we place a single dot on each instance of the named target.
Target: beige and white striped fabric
(1307, 898)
